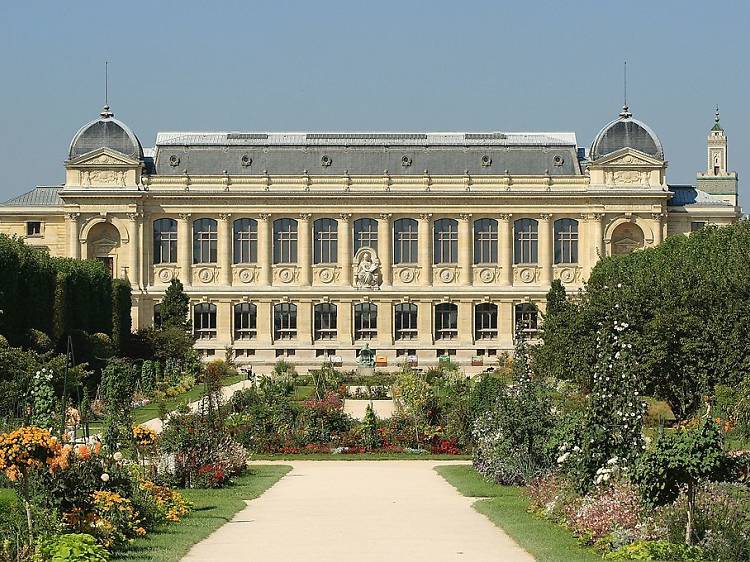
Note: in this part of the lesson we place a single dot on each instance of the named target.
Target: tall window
(326, 237)
(245, 321)
(204, 320)
(284, 321)
(325, 321)
(485, 321)
(445, 241)
(566, 241)
(527, 318)
(204, 241)
(365, 234)
(405, 241)
(526, 241)
(245, 241)
(165, 241)
(446, 321)
(157, 316)
(485, 241)
(285, 241)
(365, 321)
(405, 321)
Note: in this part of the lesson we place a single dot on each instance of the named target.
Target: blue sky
(385, 65)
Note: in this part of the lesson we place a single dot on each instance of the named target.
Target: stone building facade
(310, 245)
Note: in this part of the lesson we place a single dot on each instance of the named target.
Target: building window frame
(245, 321)
(284, 321)
(526, 316)
(245, 238)
(485, 241)
(445, 241)
(566, 241)
(204, 320)
(285, 240)
(405, 318)
(365, 321)
(446, 321)
(325, 321)
(325, 241)
(205, 240)
(365, 234)
(485, 321)
(34, 229)
(165, 240)
(526, 241)
(405, 241)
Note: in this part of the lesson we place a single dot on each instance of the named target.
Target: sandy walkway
(359, 511)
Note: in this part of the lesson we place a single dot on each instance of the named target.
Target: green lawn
(358, 457)
(303, 392)
(7, 498)
(212, 509)
(507, 507)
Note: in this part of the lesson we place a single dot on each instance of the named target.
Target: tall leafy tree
(175, 307)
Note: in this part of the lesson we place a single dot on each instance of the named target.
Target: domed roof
(105, 132)
(626, 132)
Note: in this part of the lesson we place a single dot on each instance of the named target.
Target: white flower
(117, 456)
(562, 458)
(105, 477)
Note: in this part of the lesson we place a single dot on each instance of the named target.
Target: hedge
(53, 295)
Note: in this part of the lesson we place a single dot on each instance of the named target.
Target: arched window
(485, 321)
(204, 320)
(405, 241)
(284, 321)
(526, 241)
(325, 236)
(485, 241)
(627, 238)
(285, 241)
(365, 321)
(405, 321)
(527, 318)
(157, 316)
(566, 241)
(245, 321)
(325, 321)
(245, 241)
(165, 241)
(365, 234)
(445, 243)
(204, 241)
(446, 321)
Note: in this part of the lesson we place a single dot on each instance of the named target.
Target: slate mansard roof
(42, 196)
(493, 153)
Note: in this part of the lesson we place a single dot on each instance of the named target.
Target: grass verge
(358, 457)
(507, 507)
(212, 509)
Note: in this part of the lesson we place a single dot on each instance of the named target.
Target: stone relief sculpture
(368, 270)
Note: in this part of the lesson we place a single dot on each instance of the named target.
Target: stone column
(505, 242)
(465, 248)
(657, 227)
(424, 323)
(345, 249)
(466, 322)
(505, 326)
(74, 245)
(134, 273)
(185, 248)
(225, 249)
(545, 248)
(264, 322)
(304, 250)
(304, 323)
(344, 331)
(147, 248)
(425, 249)
(224, 318)
(265, 235)
(385, 323)
(597, 245)
(385, 249)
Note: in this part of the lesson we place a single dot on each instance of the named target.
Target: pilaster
(385, 247)
(345, 333)
(385, 323)
(466, 322)
(304, 254)
(134, 273)
(184, 248)
(505, 236)
(225, 249)
(304, 322)
(545, 248)
(465, 247)
(424, 323)
(264, 250)
(345, 249)
(74, 245)
(425, 247)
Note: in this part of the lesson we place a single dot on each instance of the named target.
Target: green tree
(175, 307)
(121, 316)
(118, 383)
(682, 460)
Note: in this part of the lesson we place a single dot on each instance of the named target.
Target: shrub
(112, 519)
(121, 315)
(656, 550)
(73, 547)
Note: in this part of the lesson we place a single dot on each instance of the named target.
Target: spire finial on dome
(625, 113)
(106, 112)
(716, 119)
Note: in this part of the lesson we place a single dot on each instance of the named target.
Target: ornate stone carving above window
(526, 275)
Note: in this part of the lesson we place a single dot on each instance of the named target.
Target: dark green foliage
(52, 295)
(118, 384)
(175, 307)
(121, 317)
(689, 300)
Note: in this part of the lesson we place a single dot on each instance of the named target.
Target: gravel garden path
(359, 511)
